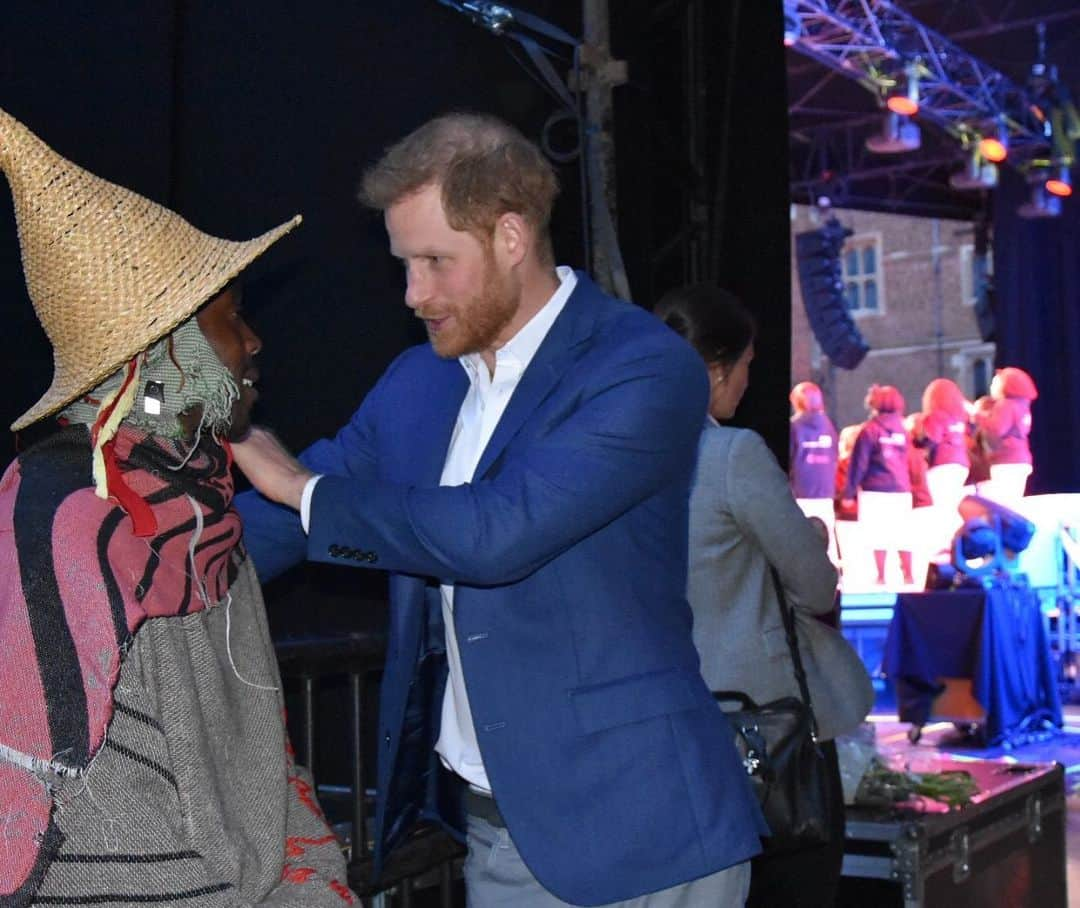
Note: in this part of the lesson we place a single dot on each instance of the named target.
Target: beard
(479, 321)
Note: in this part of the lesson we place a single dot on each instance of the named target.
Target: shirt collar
(517, 353)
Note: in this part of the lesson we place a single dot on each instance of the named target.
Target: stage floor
(941, 739)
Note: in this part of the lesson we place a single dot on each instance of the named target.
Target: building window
(967, 273)
(980, 378)
(862, 275)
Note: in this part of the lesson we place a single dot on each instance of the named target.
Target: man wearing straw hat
(143, 755)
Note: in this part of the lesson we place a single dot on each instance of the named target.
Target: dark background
(1037, 315)
(238, 115)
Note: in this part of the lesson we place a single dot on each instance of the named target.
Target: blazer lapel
(557, 353)
(439, 409)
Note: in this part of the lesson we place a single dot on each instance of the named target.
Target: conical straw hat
(109, 272)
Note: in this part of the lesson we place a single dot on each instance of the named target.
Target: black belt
(484, 807)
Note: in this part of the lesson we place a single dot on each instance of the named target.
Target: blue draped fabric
(1037, 279)
(995, 637)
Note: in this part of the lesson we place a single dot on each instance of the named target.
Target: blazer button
(372, 557)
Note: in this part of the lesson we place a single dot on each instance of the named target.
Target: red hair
(1016, 383)
(945, 396)
(885, 399)
(806, 397)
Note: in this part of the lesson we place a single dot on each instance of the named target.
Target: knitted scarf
(76, 583)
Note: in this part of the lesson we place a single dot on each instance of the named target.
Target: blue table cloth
(994, 636)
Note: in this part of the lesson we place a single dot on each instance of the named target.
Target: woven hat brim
(220, 262)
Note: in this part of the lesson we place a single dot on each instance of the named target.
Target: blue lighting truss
(875, 43)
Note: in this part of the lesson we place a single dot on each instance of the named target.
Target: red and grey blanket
(76, 582)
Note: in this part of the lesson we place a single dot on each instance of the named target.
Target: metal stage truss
(875, 46)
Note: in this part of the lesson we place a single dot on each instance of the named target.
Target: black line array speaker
(817, 253)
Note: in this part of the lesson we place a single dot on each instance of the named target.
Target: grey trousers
(496, 877)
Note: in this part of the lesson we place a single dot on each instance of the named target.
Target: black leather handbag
(779, 748)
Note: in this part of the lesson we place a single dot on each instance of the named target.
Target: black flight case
(1005, 850)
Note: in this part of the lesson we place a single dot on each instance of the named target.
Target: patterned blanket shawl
(76, 582)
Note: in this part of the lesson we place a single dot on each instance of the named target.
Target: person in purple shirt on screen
(879, 477)
(812, 458)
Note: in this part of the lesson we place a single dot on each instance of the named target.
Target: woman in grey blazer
(742, 519)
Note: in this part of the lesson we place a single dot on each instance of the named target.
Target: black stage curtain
(1037, 278)
(751, 225)
(740, 227)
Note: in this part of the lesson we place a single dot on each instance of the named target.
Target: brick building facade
(909, 285)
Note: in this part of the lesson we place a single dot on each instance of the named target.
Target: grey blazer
(742, 518)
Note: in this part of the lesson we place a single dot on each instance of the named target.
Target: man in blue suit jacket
(524, 478)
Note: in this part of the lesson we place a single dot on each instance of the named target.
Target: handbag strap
(735, 696)
(788, 614)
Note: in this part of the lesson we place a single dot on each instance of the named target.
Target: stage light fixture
(990, 539)
(1015, 530)
(792, 25)
(903, 99)
(793, 29)
(1060, 184)
(995, 148)
(899, 134)
(977, 173)
(976, 549)
(1041, 204)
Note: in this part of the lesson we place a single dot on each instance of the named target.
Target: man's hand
(270, 468)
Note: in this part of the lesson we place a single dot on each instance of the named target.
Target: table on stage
(993, 636)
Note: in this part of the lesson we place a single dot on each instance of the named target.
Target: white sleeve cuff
(305, 501)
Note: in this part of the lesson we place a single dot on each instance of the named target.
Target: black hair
(713, 321)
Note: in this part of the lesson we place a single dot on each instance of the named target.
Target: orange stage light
(993, 150)
(1059, 188)
(903, 105)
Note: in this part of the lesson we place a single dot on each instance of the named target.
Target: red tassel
(141, 514)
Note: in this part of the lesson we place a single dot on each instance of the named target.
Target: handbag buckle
(756, 753)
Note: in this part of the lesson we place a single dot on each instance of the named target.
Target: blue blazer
(611, 763)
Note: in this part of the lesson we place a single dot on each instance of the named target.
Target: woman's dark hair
(712, 320)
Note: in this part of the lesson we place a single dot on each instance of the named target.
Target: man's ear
(513, 238)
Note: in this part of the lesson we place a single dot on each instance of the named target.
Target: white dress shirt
(483, 406)
(480, 412)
